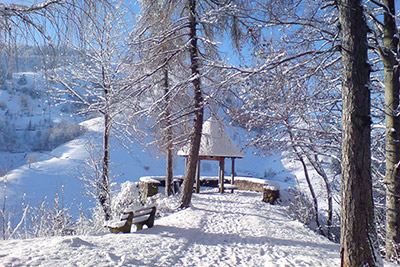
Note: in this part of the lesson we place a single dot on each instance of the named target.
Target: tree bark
(389, 57)
(170, 154)
(198, 178)
(358, 235)
(190, 172)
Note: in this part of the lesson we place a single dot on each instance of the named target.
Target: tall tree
(92, 80)
(160, 43)
(209, 21)
(389, 53)
(197, 23)
(358, 235)
(192, 159)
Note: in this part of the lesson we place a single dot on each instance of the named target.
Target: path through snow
(218, 230)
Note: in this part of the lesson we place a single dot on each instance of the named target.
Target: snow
(58, 171)
(148, 179)
(271, 187)
(230, 186)
(114, 223)
(140, 218)
(34, 176)
(318, 184)
(235, 229)
(141, 210)
(124, 216)
(266, 183)
(215, 142)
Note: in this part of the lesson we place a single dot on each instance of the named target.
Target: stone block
(270, 194)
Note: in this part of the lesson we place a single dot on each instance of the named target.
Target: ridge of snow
(148, 179)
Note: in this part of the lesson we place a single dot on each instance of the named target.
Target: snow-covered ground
(218, 230)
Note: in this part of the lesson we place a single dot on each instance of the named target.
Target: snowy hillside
(218, 230)
(63, 166)
(29, 118)
(36, 167)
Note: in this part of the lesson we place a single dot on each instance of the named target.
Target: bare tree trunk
(392, 177)
(169, 168)
(105, 183)
(3, 210)
(311, 188)
(320, 170)
(170, 155)
(358, 234)
(198, 177)
(190, 172)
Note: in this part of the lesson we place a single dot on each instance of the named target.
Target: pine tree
(358, 234)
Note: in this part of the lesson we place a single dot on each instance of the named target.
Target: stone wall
(249, 185)
(254, 184)
(149, 185)
(148, 188)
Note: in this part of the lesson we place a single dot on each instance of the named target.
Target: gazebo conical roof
(215, 142)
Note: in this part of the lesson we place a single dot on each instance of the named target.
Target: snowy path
(219, 230)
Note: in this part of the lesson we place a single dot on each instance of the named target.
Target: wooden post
(233, 171)
(221, 175)
(198, 177)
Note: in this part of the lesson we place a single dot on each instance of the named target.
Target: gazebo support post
(221, 175)
(198, 177)
(233, 171)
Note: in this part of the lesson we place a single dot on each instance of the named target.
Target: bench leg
(139, 226)
(127, 227)
(149, 222)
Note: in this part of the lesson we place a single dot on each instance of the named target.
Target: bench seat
(140, 219)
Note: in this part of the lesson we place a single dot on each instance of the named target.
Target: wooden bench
(136, 216)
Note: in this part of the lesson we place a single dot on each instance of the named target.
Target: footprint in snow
(115, 260)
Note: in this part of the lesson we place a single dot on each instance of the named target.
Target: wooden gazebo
(215, 145)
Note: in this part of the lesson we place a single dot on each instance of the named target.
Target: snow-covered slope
(218, 230)
(58, 171)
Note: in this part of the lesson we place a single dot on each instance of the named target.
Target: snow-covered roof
(215, 142)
